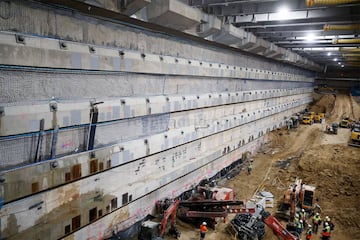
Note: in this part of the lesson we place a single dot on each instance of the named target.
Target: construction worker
(203, 230)
(296, 218)
(326, 220)
(326, 232)
(309, 233)
(299, 227)
(303, 217)
(249, 168)
(331, 224)
(316, 222)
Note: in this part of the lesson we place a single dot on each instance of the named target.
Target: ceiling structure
(324, 31)
(319, 35)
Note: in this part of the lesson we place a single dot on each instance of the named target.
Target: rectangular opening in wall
(108, 208)
(67, 229)
(113, 203)
(76, 171)
(124, 198)
(34, 187)
(100, 212)
(93, 166)
(108, 164)
(76, 222)
(101, 166)
(92, 214)
(130, 198)
(67, 177)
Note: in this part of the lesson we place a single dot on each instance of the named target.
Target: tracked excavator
(298, 195)
(154, 230)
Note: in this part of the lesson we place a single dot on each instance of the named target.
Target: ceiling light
(329, 54)
(310, 37)
(339, 63)
(335, 59)
(283, 10)
(342, 65)
(283, 13)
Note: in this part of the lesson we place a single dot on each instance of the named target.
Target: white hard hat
(309, 226)
(303, 210)
(326, 224)
(204, 223)
(317, 214)
(300, 221)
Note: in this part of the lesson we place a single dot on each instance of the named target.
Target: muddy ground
(320, 159)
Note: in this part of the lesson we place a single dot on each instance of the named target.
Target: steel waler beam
(342, 49)
(328, 27)
(351, 54)
(311, 3)
(346, 41)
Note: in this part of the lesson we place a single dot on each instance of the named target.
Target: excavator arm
(276, 226)
(169, 212)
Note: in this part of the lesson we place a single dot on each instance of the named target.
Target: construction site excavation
(179, 119)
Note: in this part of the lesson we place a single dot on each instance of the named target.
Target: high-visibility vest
(299, 225)
(317, 219)
(326, 231)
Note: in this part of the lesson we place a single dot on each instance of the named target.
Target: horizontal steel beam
(232, 8)
(314, 45)
(110, 16)
(295, 34)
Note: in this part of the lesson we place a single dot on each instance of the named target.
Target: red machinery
(170, 211)
(152, 230)
(276, 226)
(250, 228)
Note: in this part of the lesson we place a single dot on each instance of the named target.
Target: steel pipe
(328, 27)
(340, 41)
(342, 49)
(353, 59)
(351, 54)
(311, 3)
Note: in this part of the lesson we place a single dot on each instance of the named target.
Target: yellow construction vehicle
(355, 135)
(345, 122)
(308, 118)
(318, 117)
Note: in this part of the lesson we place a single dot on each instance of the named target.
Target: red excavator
(298, 196)
(153, 230)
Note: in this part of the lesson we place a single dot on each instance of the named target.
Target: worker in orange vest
(203, 230)
(309, 233)
(326, 232)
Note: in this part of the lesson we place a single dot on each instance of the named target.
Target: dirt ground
(320, 159)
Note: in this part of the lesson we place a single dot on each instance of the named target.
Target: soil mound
(325, 104)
